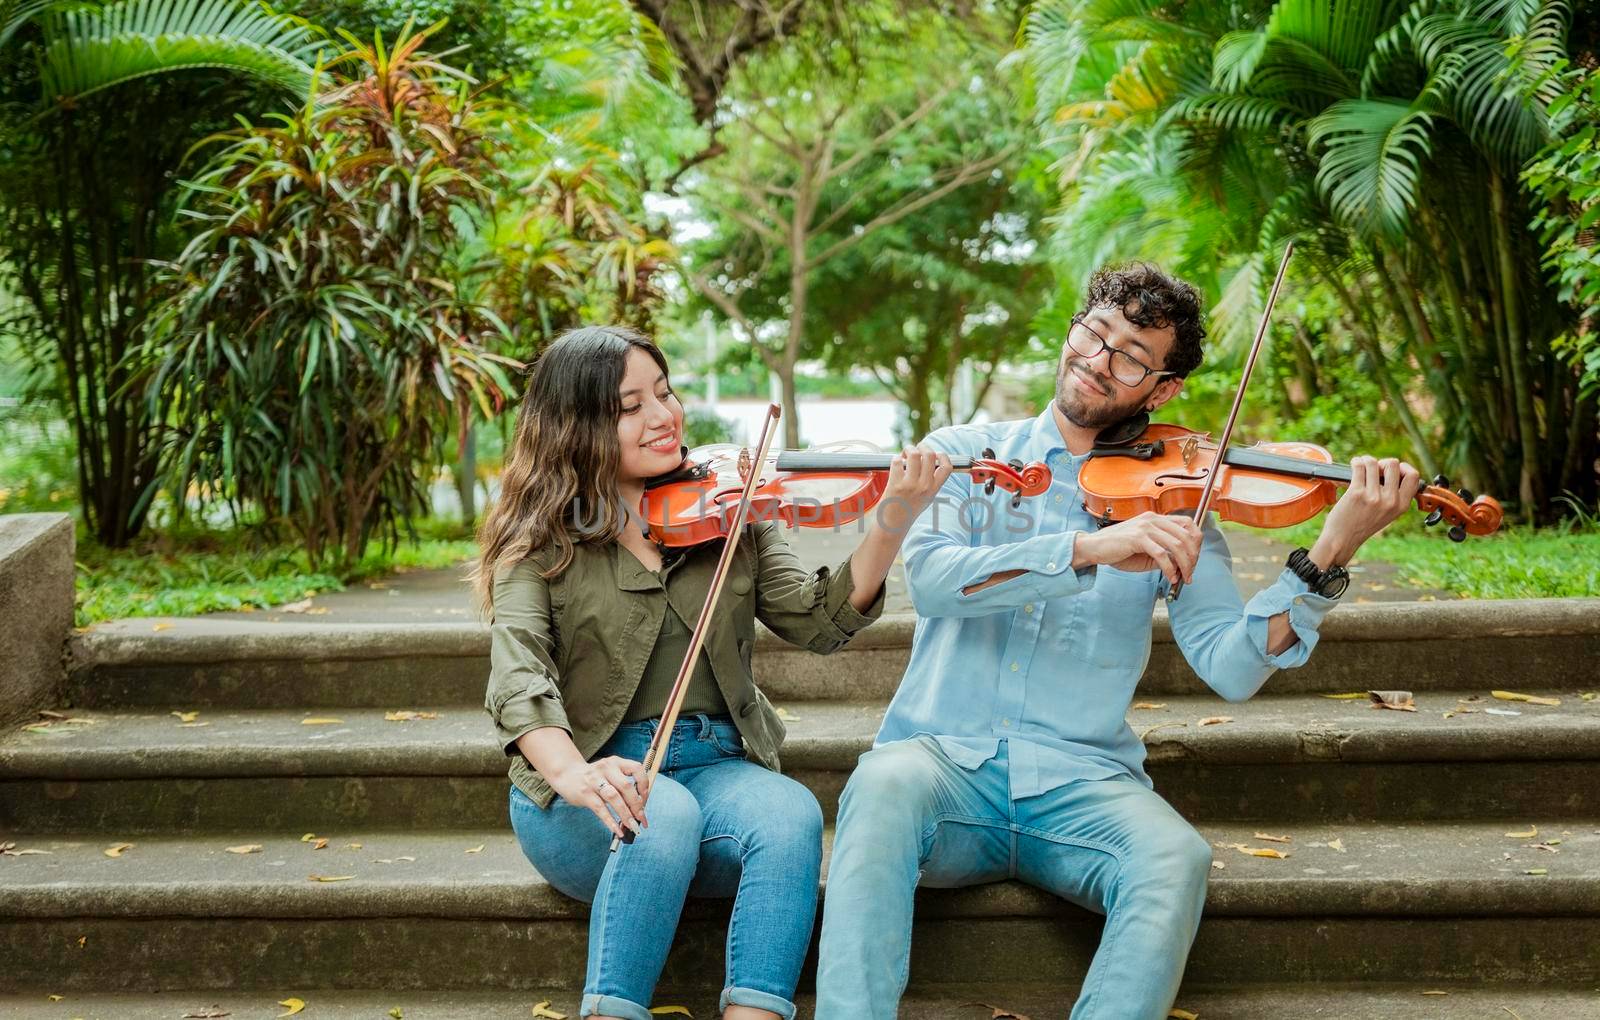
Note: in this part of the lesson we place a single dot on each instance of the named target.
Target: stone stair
(1402, 878)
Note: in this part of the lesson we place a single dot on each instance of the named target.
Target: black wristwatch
(1329, 583)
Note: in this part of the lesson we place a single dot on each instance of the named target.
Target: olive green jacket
(571, 651)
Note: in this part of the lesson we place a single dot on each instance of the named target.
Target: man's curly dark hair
(1152, 299)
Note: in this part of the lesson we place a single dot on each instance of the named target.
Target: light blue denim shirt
(1049, 660)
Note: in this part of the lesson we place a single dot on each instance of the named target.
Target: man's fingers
(1163, 559)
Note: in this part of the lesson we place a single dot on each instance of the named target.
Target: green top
(672, 644)
(572, 651)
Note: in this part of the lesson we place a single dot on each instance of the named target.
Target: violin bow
(1208, 493)
(680, 686)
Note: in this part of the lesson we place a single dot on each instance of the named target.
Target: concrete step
(202, 663)
(420, 910)
(1412, 1001)
(1281, 756)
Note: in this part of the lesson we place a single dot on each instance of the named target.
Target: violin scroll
(1467, 515)
(1015, 477)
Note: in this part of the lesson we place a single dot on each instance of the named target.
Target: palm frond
(94, 49)
(1370, 155)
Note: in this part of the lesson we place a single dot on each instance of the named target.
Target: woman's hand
(915, 476)
(615, 783)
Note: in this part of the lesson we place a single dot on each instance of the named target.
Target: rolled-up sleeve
(812, 609)
(522, 695)
(1224, 638)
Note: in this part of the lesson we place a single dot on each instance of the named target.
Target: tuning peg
(1441, 481)
(1433, 518)
(988, 487)
(1458, 533)
(1465, 494)
(1016, 500)
(1016, 465)
(988, 453)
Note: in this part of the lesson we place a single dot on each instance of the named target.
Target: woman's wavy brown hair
(559, 486)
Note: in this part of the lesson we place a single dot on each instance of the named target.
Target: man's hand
(1380, 491)
(1150, 541)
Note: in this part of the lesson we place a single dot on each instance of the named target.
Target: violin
(1268, 485)
(1272, 485)
(823, 487)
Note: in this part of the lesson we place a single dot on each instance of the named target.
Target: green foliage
(1566, 179)
(702, 428)
(321, 327)
(89, 48)
(189, 572)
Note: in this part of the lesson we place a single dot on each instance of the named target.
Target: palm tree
(1386, 138)
(99, 103)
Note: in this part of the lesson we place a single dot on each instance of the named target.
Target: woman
(591, 621)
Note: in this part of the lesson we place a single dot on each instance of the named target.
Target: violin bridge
(1188, 448)
(744, 465)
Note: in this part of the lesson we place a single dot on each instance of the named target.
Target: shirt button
(1005, 722)
(1299, 600)
(1058, 497)
(1015, 667)
(1051, 565)
(1028, 608)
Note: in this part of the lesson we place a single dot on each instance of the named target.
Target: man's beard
(1076, 409)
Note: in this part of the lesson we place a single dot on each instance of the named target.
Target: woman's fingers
(621, 782)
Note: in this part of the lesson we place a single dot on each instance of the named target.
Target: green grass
(208, 572)
(1516, 562)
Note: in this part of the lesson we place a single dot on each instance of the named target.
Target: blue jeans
(910, 815)
(719, 826)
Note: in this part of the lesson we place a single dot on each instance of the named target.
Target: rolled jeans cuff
(736, 996)
(610, 1005)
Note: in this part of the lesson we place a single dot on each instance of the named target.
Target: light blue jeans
(911, 815)
(719, 826)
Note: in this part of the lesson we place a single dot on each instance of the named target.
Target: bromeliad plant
(322, 328)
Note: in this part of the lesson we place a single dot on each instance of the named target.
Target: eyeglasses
(1125, 368)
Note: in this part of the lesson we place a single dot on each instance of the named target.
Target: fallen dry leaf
(320, 844)
(1352, 696)
(9, 852)
(406, 715)
(474, 849)
(209, 1014)
(55, 998)
(1158, 726)
(116, 850)
(1542, 846)
(1259, 851)
(1531, 699)
(1399, 701)
(321, 721)
(396, 1013)
(405, 858)
(1149, 704)
(295, 607)
(329, 878)
(787, 716)
(1533, 830)
(1336, 844)
(544, 1012)
(1218, 866)
(1267, 838)
(308, 837)
(1181, 1014)
(187, 716)
(244, 848)
(161, 626)
(1513, 1012)
(292, 1005)
(1537, 871)
(352, 846)
(670, 1011)
(1589, 695)
(1216, 720)
(1435, 991)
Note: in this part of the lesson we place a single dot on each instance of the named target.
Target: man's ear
(1165, 390)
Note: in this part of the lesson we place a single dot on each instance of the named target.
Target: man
(1006, 752)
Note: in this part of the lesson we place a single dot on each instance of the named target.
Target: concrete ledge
(36, 605)
(199, 640)
(1438, 870)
